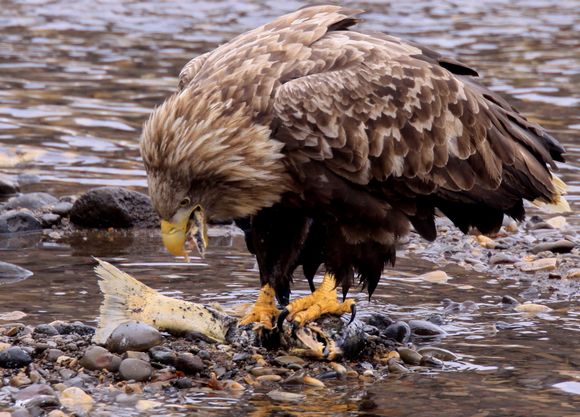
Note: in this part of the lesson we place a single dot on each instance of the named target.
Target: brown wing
(389, 116)
(190, 70)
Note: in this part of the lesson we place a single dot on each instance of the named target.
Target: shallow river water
(77, 80)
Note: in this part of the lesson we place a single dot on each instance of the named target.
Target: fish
(127, 299)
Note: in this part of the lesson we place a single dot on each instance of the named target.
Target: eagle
(326, 144)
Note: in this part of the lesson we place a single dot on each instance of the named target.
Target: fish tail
(558, 203)
(124, 299)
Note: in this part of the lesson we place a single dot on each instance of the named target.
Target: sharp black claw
(352, 313)
(281, 318)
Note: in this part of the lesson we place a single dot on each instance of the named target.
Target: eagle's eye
(185, 202)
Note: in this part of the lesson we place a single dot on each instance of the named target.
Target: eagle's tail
(558, 203)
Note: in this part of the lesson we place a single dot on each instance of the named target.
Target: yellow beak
(184, 226)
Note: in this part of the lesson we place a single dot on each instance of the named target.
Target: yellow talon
(264, 310)
(322, 301)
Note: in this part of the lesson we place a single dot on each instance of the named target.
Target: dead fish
(126, 299)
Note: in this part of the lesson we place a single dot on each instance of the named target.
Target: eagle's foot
(320, 302)
(264, 312)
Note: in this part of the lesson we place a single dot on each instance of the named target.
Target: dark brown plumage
(326, 143)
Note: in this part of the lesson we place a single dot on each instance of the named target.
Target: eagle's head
(206, 160)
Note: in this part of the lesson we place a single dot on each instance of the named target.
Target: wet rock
(509, 301)
(133, 335)
(135, 369)
(49, 219)
(76, 400)
(287, 360)
(77, 328)
(283, 396)
(113, 207)
(532, 308)
(136, 355)
(268, 378)
(380, 321)
(14, 357)
(399, 331)
(425, 328)
(545, 264)
(53, 354)
(46, 329)
(409, 356)
(313, 382)
(502, 258)
(163, 355)
(182, 383)
(25, 395)
(431, 362)
(30, 201)
(20, 379)
(573, 273)
(439, 353)
(62, 208)
(438, 277)
(189, 363)
(96, 358)
(557, 222)
(8, 185)
(396, 368)
(559, 246)
(18, 221)
(20, 412)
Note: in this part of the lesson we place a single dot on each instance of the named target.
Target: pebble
(27, 394)
(53, 354)
(439, 353)
(20, 379)
(502, 258)
(425, 328)
(399, 331)
(486, 242)
(76, 327)
(77, 400)
(135, 369)
(284, 396)
(544, 264)
(14, 357)
(438, 277)
(133, 335)
(12, 315)
(431, 362)
(8, 185)
(189, 363)
(49, 219)
(57, 413)
(269, 378)
(14, 221)
(313, 382)
(532, 308)
(30, 201)
(144, 405)
(289, 360)
(264, 370)
(573, 273)
(380, 321)
(62, 208)
(163, 355)
(409, 356)
(136, 355)
(557, 222)
(338, 368)
(96, 358)
(559, 246)
(46, 329)
(396, 368)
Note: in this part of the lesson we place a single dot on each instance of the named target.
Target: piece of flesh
(320, 302)
(264, 311)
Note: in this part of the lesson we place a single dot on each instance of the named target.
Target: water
(77, 80)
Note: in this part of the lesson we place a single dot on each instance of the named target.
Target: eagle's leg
(264, 311)
(320, 302)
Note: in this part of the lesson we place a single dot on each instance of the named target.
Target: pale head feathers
(196, 145)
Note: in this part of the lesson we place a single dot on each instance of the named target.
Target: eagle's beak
(185, 225)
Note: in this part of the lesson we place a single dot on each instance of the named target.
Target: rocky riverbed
(55, 369)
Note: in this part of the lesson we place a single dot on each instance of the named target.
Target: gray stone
(136, 355)
(73, 328)
(33, 390)
(62, 208)
(135, 369)
(439, 353)
(189, 363)
(409, 356)
(502, 258)
(53, 354)
(46, 329)
(425, 328)
(96, 358)
(509, 301)
(163, 355)
(8, 185)
(49, 219)
(31, 201)
(559, 246)
(399, 331)
(16, 221)
(14, 357)
(133, 335)
(113, 207)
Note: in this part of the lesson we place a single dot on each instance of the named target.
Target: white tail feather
(558, 204)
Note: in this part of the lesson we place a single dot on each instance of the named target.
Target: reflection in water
(77, 80)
